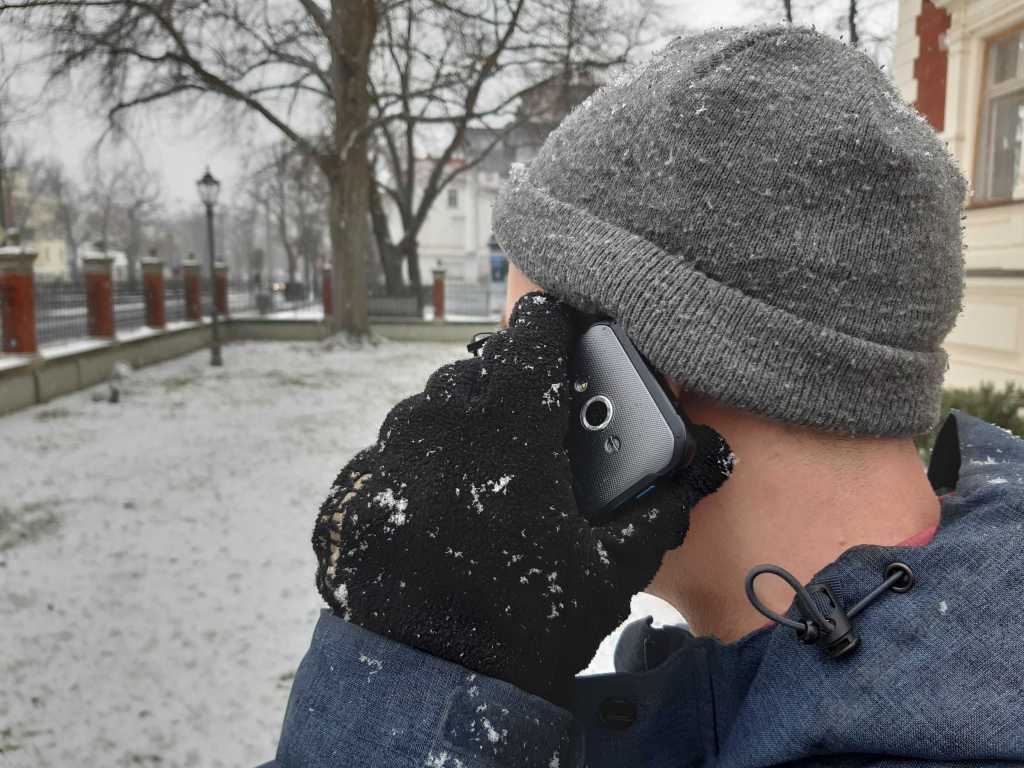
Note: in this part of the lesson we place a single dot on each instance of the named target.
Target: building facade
(961, 62)
(457, 231)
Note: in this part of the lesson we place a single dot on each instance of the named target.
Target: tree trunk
(348, 277)
(70, 241)
(289, 251)
(390, 259)
(852, 21)
(353, 26)
(134, 243)
(72, 255)
(411, 253)
(307, 271)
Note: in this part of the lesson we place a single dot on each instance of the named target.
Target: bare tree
(69, 213)
(865, 24)
(139, 201)
(293, 194)
(390, 257)
(27, 183)
(302, 68)
(851, 18)
(7, 111)
(443, 67)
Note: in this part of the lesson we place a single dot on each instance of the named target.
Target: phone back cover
(635, 447)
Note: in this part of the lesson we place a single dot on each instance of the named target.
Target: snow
(500, 485)
(642, 605)
(388, 500)
(158, 580)
(142, 332)
(492, 734)
(375, 665)
(311, 312)
(14, 361)
(161, 592)
(73, 347)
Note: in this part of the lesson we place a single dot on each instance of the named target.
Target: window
(998, 173)
(453, 198)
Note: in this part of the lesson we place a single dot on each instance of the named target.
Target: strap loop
(823, 622)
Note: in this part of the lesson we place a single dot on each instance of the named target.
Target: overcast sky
(179, 145)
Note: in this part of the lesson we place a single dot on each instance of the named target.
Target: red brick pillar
(220, 288)
(99, 295)
(438, 293)
(17, 300)
(193, 290)
(153, 289)
(930, 65)
(327, 290)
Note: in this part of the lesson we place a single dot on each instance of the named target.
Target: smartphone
(625, 432)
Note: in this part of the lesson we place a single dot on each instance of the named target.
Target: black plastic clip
(823, 622)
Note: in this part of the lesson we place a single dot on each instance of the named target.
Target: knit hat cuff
(713, 339)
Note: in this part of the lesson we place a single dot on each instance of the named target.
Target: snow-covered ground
(157, 578)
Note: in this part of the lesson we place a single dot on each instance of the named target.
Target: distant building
(962, 64)
(119, 267)
(52, 260)
(457, 231)
(35, 214)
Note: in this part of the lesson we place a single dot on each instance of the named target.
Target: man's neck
(796, 499)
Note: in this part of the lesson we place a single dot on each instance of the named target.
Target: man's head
(780, 236)
(773, 226)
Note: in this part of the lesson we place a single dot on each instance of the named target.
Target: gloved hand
(457, 532)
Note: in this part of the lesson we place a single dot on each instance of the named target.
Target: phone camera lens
(596, 413)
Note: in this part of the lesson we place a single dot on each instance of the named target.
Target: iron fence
(129, 306)
(470, 299)
(61, 312)
(393, 306)
(242, 298)
(479, 300)
(174, 300)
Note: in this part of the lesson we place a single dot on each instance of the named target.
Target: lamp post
(209, 188)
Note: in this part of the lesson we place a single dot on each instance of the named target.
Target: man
(779, 234)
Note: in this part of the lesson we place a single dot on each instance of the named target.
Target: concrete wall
(67, 368)
(988, 341)
(25, 381)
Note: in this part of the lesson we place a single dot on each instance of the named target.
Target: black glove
(458, 534)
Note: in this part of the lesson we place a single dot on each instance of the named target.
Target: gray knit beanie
(774, 227)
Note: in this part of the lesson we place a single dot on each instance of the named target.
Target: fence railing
(61, 311)
(39, 310)
(174, 300)
(129, 306)
(460, 299)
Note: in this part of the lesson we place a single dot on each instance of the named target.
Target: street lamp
(209, 188)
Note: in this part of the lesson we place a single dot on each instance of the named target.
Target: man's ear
(518, 286)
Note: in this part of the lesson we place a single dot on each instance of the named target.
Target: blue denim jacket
(938, 678)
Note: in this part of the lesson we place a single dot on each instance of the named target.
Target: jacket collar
(936, 676)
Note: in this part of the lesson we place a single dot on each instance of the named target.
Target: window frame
(990, 92)
(453, 199)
